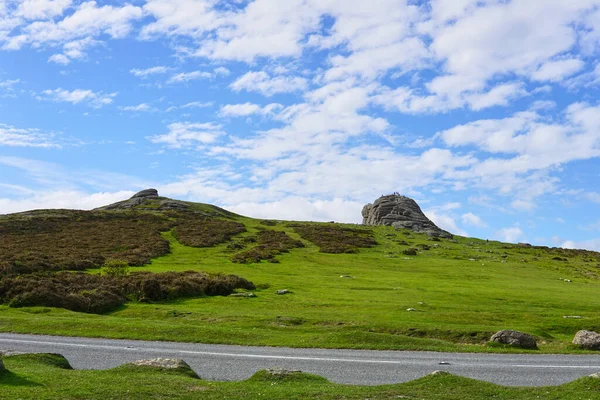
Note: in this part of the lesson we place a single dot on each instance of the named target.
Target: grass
(50, 377)
(463, 291)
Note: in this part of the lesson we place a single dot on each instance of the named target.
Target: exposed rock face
(146, 193)
(147, 196)
(587, 340)
(515, 338)
(400, 212)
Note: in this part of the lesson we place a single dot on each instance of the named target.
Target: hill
(156, 268)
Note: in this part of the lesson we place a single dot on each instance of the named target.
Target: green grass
(48, 377)
(463, 292)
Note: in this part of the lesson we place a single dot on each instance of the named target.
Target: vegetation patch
(270, 244)
(104, 293)
(78, 240)
(202, 231)
(336, 239)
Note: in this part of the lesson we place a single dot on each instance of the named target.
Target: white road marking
(297, 358)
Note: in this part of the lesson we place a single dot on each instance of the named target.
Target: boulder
(514, 338)
(281, 372)
(588, 340)
(401, 212)
(145, 193)
(283, 291)
(175, 364)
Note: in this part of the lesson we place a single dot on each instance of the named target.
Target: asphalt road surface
(361, 367)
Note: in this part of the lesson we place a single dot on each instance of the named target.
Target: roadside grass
(462, 291)
(49, 377)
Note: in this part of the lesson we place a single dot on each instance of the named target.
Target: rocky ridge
(147, 197)
(401, 212)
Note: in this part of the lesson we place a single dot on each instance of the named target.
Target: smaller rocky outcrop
(175, 364)
(150, 199)
(588, 340)
(145, 193)
(401, 212)
(514, 338)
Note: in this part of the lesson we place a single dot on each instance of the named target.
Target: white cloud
(198, 104)
(186, 134)
(59, 59)
(143, 107)
(445, 221)
(61, 199)
(94, 99)
(471, 219)
(302, 209)
(41, 9)
(510, 235)
(15, 137)
(260, 81)
(557, 70)
(189, 76)
(87, 21)
(245, 109)
(143, 73)
(74, 50)
(590, 244)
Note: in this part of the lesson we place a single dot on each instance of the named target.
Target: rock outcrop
(588, 340)
(515, 338)
(150, 198)
(176, 364)
(401, 212)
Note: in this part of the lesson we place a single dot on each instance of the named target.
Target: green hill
(349, 286)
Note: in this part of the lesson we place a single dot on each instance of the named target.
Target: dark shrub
(410, 251)
(99, 294)
(333, 238)
(202, 231)
(270, 244)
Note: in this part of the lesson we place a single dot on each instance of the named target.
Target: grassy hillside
(351, 286)
(50, 377)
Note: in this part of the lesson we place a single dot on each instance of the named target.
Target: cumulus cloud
(471, 219)
(510, 235)
(260, 81)
(77, 96)
(186, 134)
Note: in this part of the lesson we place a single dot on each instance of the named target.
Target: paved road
(364, 367)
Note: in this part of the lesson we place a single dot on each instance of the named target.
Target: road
(361, 367)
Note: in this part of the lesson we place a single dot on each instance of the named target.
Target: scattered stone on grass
(596, 375)
(411, 309)
(283, 291)
(281, 372)
(167, 363)
(347, 276)
(440, 373)
(514, 338)
(573, 316)
(588, 340)
(242, 294)
(7, 353)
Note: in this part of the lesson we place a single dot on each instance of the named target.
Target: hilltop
(151, 267)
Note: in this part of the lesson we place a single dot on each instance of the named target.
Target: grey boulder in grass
(514, 338)
(588, 340)
(176, 364)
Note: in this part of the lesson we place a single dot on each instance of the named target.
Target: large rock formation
(515, 338)
(150, 198)
(400, 212)
(588, 340)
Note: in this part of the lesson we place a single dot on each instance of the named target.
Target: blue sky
(485, 111)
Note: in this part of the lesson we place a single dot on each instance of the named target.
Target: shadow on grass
(9, 378)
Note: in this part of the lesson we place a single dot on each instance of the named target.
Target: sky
(486, 112)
